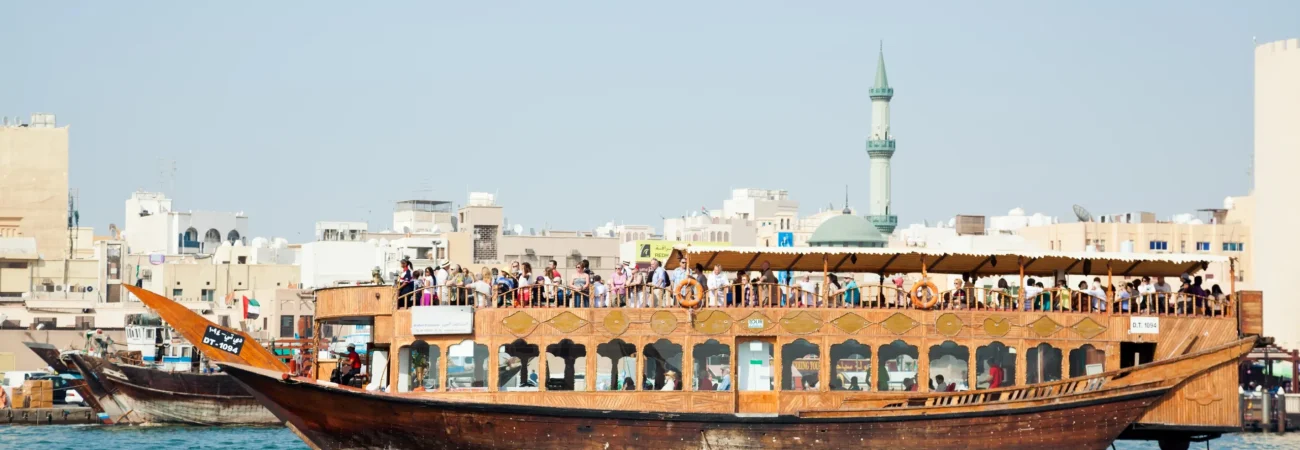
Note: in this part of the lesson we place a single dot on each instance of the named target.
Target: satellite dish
(1082, 214)
(518, 229)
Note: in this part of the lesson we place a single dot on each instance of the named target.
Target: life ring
(687, 301)
(916, 295)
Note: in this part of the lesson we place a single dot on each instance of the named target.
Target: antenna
(166, 175)
(1082, 214)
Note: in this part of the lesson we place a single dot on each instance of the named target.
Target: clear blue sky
(577, 113)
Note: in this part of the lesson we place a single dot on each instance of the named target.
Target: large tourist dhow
(870, 364)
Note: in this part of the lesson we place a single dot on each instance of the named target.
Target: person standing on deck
(440, 282)
(1162, 291)
(1031, 293)
(681, 272)
(768, 292)
(658, 278)
(618, 281)
(405, 286)
(717, 287)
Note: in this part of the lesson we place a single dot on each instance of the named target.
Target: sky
(580, 113)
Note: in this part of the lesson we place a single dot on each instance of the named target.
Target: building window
(1158, 245)
(1234, 247)
(207, 294)
(286, 326)
(176, 294)
(1202, 246)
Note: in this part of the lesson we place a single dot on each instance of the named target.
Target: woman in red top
(994, 373)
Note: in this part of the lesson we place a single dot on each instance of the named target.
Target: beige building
(1277, 161)
(34, 183)
(1226, 233)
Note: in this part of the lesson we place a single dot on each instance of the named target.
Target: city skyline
(302, 115)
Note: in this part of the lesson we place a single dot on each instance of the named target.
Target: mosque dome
(847, 230)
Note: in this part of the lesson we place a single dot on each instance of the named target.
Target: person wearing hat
(353, 365)
(670, 381)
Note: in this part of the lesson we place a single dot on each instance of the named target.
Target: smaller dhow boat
(756, 363)
(158, 379)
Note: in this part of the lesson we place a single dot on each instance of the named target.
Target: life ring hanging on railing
(685, 300)
(933, 294)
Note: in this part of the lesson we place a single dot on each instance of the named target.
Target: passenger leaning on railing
(405, 285)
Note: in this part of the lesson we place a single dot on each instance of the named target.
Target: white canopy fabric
(890, 261)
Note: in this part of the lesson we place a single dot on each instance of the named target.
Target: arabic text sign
(224, 340)
(426, 320)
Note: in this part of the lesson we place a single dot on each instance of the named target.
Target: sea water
(91, 437)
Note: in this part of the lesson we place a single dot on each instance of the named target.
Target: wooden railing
(770, 295)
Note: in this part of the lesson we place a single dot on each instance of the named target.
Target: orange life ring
(689, 301)
(916, 296)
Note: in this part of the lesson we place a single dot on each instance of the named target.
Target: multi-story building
(1277, 159)
(152, 226)
(34, 183)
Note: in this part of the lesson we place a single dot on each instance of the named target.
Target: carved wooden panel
(948, 324)
(520, 323)
(850, 323)
(663, 322)
(997, 326)
(567, 322)
(616, 322)
(1044, 326)
(899, 323)
(1088, 328)
(712, 322)
(802, 322)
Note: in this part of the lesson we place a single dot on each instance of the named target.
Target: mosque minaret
(880, 147)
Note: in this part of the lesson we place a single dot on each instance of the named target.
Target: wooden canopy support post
(1110, 281)
(826, 279)
(1232, 289)
(1020, 260)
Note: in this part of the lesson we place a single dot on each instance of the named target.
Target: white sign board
(1144, 325)
(426, 320)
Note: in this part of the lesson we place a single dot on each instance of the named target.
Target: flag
(251, 308)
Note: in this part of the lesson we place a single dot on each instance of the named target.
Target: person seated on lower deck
(940, 386)
(353, 367)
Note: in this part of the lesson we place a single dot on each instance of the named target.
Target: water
(88, 437)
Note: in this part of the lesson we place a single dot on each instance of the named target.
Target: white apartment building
(154, 226)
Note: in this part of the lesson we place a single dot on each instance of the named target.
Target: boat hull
(355, 419)
(143, 395)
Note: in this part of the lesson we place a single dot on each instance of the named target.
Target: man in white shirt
(680, 273)
(809, 291)
(1031, 292)
(440, 280)
(717, 281)
(1162, 290)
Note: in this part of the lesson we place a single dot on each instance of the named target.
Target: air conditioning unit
(58, 288)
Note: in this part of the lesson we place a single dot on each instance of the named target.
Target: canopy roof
(889, 261)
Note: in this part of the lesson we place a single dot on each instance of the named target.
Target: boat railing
(774, 295)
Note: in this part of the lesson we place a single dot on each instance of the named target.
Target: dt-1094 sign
(226, 341)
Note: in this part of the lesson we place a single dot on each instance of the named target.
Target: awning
(890, 261)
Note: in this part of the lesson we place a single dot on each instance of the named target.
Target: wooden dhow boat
(129, 391)
(764, 365)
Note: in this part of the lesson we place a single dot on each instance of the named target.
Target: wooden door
(755, 375)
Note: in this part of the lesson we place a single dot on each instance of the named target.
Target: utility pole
(74, 220)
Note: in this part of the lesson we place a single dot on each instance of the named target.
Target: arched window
(616, 366)
(995, 364)
(712, 366)
(212, 238)
(897, 370)
(850, 366)
(1043, 364)
(419, 365)
(467, 369)
(517, 366)
(662, 357)
(1087, 360)
(949, 367)
(566, 366)
(192, 235)
(232, 237)
(801, 363)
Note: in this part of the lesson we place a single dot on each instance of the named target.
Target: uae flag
(251, 308)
